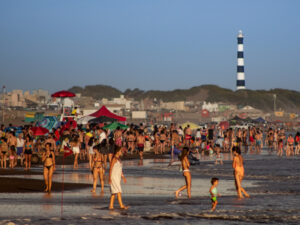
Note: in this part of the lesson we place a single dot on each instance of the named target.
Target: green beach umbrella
(115, 125)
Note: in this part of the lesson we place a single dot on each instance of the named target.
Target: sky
(153, 44)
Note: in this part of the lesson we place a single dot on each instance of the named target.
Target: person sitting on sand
(238, 166)
(186, 172)
(115, 175)
(48, 158)
(214, 193)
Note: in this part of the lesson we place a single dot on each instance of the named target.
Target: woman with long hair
(28, 146)
(115, 175)
(48, 158)
(238, 166)
(98, 169)
(186, 172)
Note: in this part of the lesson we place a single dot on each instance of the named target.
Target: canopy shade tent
(103, 114)
(103, 111)
(84, 120)
(115, 125)
(102, 119)
(193, 126)
(259, 120)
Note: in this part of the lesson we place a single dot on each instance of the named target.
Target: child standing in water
(214, 193)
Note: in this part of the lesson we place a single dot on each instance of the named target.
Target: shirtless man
(270, 138)
(130, 142)
(12, 140)
(238, 166)
(141, 143)
(52, 143)
(118, 137)
(188, 135)
(175, 140)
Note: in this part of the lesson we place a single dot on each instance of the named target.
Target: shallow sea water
(272, 182)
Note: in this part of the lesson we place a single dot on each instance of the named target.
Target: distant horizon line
(168, 90)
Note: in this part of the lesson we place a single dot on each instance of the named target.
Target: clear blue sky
(153, 44)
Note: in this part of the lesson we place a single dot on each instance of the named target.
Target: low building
(178, 106)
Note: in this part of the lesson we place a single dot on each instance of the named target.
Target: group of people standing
(101, 147)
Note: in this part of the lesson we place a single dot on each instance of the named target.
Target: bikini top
(49, 156)
(26, 146)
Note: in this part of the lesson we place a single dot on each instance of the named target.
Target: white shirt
(20, 143)
(102, 136)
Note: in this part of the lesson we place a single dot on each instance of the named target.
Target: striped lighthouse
(240, 82)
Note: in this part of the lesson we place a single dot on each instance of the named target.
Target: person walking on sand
(115, 175)
(186, 172)
(238, 166)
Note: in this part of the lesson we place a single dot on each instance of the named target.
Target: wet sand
(272, 182)
(24, 185)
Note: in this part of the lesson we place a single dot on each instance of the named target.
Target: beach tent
(85, 119)
(224, 125)
(102, 119)
(193, 126)
(115, 125)
(103, 114)
(259, 120)
(103, 111)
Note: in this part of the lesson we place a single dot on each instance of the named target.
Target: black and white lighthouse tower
(240, 81)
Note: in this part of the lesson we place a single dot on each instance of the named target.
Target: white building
(211, 107)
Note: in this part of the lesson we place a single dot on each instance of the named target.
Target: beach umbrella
(193, 126)
(115, 125)
(102, 119)
(63, 94)
(39, 131)
(49, 122)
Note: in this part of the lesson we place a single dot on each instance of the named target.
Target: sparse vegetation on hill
(286, 99)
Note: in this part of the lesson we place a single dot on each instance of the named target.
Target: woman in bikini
(48, 158)
(98, 169)
(290, 146)
(28, 146)
(186, 172)
(3, 152)
(238, 166)
(162, 139)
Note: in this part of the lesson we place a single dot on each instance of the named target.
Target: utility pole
(3, 102)
(274, 98)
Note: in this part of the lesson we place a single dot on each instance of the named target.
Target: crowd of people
(102, 147)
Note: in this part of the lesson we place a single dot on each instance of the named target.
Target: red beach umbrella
(63, 94)
(39, 131)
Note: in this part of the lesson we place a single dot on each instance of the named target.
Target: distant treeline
(287, 100)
